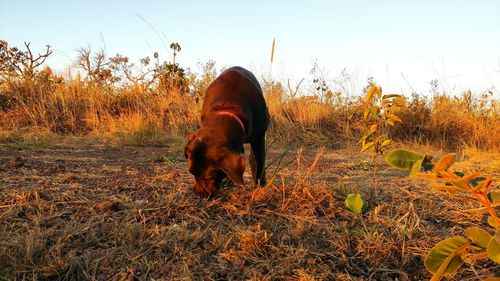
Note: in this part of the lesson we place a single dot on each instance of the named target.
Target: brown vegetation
(96, 213)
(80, 201)
(162, 98)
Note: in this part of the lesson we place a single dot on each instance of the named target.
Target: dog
(234, 112)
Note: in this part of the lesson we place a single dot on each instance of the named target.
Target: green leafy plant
(354, 203)
(447, 256)
(379, 111)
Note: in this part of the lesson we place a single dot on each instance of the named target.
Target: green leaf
(403, 159)
(446, 253)
(354, 203)
(493, 250)
(479, 236)
(445, 162)
(416, 167)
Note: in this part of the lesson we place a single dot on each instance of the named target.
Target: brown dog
(234, 112)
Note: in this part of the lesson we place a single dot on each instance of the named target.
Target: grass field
(94, 184)
(87, 211)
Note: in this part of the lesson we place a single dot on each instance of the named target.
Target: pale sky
(403, 45)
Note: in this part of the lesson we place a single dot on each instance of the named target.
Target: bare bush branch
(14, 62)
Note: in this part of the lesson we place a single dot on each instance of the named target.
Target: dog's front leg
(258, 161)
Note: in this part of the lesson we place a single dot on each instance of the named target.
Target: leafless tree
(15, 62)
(144, 76)
(96, 66)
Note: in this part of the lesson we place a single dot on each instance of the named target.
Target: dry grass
(94, 186)
(81, 108)
(140, 115)
(79, 212)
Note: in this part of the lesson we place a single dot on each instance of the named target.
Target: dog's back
(237, 90)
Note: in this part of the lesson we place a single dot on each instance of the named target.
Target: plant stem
(481, 197)
(474, 257)
(373, 190)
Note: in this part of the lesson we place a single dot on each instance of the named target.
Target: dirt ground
(128, 213)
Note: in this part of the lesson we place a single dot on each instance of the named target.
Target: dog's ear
(233, 164)
(190, 139)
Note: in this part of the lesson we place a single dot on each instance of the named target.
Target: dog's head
(210, 163)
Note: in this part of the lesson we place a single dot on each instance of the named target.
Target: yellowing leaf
(386, 143)
(369, 94)
(445, 162)
(391, 96)
(372, 91)
(492, 222)
(493, 250)
(479, 236)
(367, 146)
(415, 169)
(393, 117)
(386, 102)
(354, 203)
(378, 92)
(389, 122)
(373, 128)
(446, 256)
(395, 108)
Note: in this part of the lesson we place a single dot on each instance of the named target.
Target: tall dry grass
(76, 106)
(466, 120)
(79, 107)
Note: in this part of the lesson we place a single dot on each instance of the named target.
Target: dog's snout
(203, 189)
